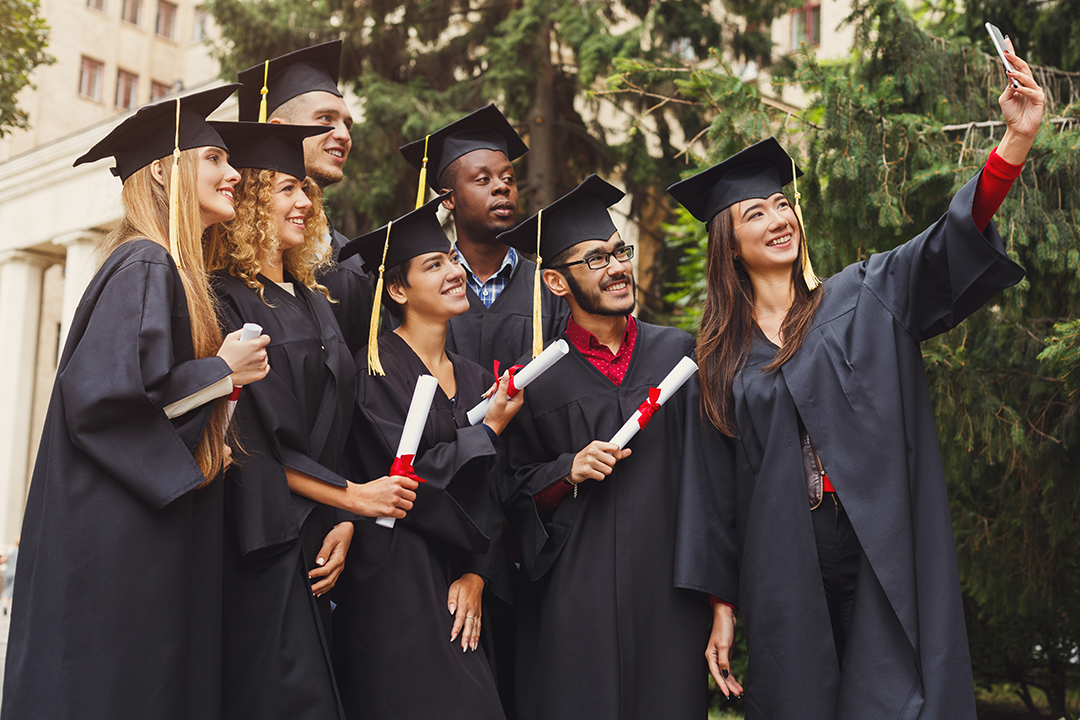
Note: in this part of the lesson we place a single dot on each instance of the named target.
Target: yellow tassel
(265, 89)
(374, 366)
(538, 316)
(174, 195)
(421, 192)
(809, 276)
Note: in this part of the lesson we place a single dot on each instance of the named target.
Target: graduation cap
(272, 83)
(155, 131)
(399, 240)
(485, 129)
(268, 146)
(580, 215)
(759, 171)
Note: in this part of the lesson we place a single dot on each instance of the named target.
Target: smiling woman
(117, 601)
(282, 549)
(422, 580)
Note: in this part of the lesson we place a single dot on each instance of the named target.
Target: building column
(79, 269)
(20, 313)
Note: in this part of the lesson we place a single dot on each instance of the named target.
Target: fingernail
(724, 673)
(320, 561)
(452, 607)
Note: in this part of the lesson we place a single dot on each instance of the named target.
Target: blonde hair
(240, 245)
(146, 215)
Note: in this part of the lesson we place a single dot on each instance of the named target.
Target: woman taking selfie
(831, 531)
(117, 600)
(408, 622)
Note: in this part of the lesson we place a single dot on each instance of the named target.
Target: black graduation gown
(602, 631)
(859, 385)
(503, 332)
(350, 286)
(392, 648)
(116, 611)
(276, 653)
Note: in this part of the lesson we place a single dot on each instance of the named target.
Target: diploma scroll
(552, 354)
(250, 331)
(675, 379)
(426, 385)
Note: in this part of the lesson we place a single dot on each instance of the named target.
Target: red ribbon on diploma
(649, 407)
(511, 391)
(403, 466)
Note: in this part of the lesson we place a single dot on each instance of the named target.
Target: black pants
(838, 556)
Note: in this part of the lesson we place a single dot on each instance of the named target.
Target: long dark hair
(727, 321)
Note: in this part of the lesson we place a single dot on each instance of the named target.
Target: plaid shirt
(490, 290)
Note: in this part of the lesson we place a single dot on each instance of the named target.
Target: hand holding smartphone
(999, 42)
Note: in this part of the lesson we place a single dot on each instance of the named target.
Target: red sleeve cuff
(713, 600)
(1001, 167)
(549, 499)
(994, 184)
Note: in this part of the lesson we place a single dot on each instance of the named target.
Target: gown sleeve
(272, 437)
(934, 281)
(442, 466)
(119, 376)
(706, 543)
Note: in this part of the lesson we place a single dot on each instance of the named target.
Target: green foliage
(889, 135)
(23, 38)
(417, 63)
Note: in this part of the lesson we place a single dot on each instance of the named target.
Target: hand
(596, 461)
(503, 408)
(463, 602)
(718, 652)
(331, 559)
(246, 359)
(388, 496)
(1022, 110)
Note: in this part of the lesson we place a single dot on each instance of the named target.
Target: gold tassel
(421, 192)
(374, 366)
(809, 276)
(538, 330)
(174, 195)
(265, 89)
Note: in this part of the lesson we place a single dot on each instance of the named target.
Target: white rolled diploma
(250, 331)
(552, 354)
(414, 424)
(675, 379)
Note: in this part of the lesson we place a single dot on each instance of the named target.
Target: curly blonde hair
(252, 234)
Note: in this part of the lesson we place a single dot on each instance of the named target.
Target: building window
(98, 5)
(127, 90)
(131, 11)
(90, 78)
(805, 26)
(159, 90)
(166, 19)
(202, 23)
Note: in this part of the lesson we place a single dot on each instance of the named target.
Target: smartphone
(999, 42)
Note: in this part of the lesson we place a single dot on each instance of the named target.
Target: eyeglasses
(602, 260)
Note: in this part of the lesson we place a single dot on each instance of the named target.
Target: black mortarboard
(150, 134)
(413, 234)
(580, 215)
(759, 171)
(485, 129)
(303, 71)
(268, 146)
(410, 235)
